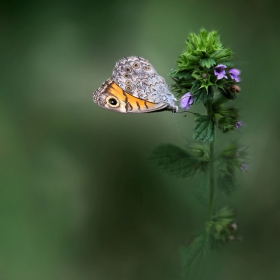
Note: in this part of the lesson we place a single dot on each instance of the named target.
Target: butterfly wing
(136, 76)
(110, 96)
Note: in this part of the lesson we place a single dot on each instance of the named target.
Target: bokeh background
(78, 199)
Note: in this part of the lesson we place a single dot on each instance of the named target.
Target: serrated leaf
(231, 158)
(195, 86)
(179, 75)
(227, 93)
(204, 128)
(226, 178)
(200, 92)
(230, 151)
(200, 95)
(197, 259)
(174, 160)
(196, 76)
(207, 62)
(172, 73)
(226, 124)
(222, 55)
(201, 153)
(225, 117)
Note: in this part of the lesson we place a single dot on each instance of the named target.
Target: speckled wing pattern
(138, 77)
(135, 76)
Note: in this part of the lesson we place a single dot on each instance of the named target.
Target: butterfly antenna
(177, 128)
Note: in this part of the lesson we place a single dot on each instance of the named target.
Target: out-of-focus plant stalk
(211, 166)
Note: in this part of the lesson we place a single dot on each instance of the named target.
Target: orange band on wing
(133, 103)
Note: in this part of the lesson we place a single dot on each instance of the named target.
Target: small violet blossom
(234, 74)
(186, 101)
(220, 71)
(238, 124)
(244, 166)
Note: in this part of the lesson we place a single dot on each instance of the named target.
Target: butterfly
(135, 87)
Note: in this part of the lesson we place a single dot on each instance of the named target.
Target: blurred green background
(78, 199)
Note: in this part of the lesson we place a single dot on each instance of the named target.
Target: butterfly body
(135, 87)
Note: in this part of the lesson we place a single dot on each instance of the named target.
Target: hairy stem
(211, 167)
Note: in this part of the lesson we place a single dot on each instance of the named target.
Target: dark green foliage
(204, 128)
(180, 75)
(200, 92)
(203, 52)
(205, 72)
(217, 101)
(231, 159)
(227, 92)
(183, 79)
(235, 153)
(226, 178)
(201, 153)
(179, 162)
(196, 259)
(226, 124)
(225, 117)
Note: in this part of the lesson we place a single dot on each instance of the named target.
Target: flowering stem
(211, 167)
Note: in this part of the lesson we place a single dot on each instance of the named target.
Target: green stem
(212, 182)
(211, 167)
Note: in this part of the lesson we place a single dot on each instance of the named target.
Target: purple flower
(238, 124)
(220, 71)
(244, 166)
(234, 74)
(186, 101)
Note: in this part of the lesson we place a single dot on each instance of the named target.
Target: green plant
(205, 74)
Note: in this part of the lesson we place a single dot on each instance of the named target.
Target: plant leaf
(197, 259)
(175, 160)
(203, 51)
(227, 93)
(207, 62)
(200, 95)
(200, 92)
(204, 128)
(226, 178)
(225, 117)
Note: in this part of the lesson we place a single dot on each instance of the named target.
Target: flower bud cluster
(205, 72)
(223, 227)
